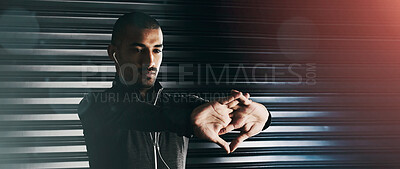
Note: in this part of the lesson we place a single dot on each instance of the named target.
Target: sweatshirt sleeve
(172, 115)
(268, 123)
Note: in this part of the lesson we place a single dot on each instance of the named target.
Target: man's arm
(182, 118)
(173, 114)
(170, 116)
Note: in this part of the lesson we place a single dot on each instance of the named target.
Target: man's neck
(143, 91)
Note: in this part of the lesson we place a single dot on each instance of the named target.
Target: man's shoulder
(90, 100)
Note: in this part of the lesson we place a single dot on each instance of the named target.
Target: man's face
(139, 55)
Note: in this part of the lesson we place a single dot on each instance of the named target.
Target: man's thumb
(222, 143)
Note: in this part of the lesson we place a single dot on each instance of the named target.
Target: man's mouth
(149, 73)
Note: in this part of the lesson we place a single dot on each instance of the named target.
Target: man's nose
(148, 59)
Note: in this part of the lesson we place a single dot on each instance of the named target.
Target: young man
(135, 124)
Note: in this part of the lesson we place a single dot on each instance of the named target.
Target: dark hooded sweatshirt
(121, 128)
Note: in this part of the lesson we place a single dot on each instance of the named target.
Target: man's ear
(110, 50)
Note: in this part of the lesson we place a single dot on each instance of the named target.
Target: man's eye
(157, 51)
(138, 50)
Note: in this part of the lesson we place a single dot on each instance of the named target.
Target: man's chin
(147, 83)
(142, 82)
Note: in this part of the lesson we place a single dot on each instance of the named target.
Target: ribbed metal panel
(328, 71)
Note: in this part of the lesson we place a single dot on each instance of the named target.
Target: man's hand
(250, 119)
(208, 119)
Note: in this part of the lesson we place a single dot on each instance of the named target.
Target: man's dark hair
(137, 19)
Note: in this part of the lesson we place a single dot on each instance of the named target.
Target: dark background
(328, 71)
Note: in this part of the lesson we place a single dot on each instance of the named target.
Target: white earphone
(115, 58)
(120, 73)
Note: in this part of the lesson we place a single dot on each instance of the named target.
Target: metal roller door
(328, 71)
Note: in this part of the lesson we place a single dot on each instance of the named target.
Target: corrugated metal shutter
(327, 70)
